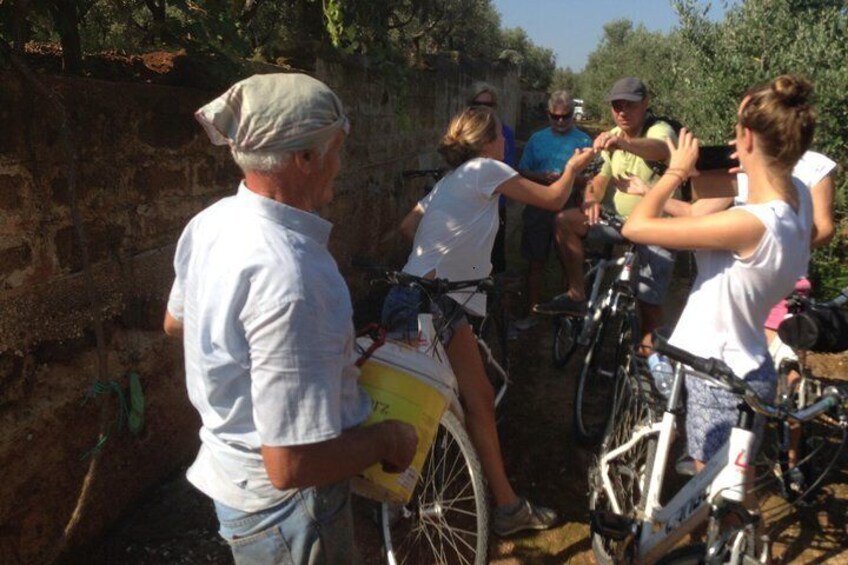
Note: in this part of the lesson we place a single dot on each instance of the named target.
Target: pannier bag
(820, 329)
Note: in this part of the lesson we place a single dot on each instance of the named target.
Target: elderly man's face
(562, 118)
(325, 176)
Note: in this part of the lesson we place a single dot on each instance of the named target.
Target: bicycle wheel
(447, 520)
(595, 383)
(566, 331)
(628, 473)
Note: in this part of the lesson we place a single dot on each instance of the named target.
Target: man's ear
(304, 160)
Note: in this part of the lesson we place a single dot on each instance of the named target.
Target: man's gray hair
(479, 88)
(560, 98)
(259, 161)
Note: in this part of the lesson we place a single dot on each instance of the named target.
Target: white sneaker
(525, 324)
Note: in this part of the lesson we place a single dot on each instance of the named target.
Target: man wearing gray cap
(627, 150)
(265, 318)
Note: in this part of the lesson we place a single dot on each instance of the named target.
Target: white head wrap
(274, 112)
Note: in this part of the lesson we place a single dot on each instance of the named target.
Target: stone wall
(143, 168)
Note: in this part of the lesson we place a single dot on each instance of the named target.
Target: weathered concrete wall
(144, 168)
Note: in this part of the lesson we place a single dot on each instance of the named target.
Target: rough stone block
(14, 259)
(11, 189)
(104, 240)
(153, 180)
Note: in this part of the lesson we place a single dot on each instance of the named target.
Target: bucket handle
(377, 333)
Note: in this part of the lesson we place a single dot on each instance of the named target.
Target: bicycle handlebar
(435, 286)
(797, 302)
(718, 370)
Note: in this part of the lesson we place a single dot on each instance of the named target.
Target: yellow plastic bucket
(404, 384)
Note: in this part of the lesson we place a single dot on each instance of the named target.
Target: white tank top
(731, 297)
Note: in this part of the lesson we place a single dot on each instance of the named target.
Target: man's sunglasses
(560, 117)
(487, 104)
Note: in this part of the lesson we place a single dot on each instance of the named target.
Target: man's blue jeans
(314, 526)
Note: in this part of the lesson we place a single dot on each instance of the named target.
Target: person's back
(749, 256)
(459, 226)
(453, 230)
(747, 288)
(265, 318)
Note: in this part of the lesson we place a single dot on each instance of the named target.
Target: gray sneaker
(527, 517)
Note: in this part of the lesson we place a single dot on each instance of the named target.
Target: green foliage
(388, 32)
(628, 51)
(699, 72)
(537, 63)
(757, 41)
(566, 79)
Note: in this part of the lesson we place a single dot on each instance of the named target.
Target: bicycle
(607, 333)
(799, 392)
(629, 524)
(447, 519)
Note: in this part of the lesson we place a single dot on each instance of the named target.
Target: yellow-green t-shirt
(622, 164)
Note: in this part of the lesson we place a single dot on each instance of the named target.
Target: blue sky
(573, 28)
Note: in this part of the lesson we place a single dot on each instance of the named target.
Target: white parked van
(579, 110)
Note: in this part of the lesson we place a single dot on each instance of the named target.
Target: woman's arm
(673, 206)
(734, 230)
(823, 228)
(409, 225)
(551, 197)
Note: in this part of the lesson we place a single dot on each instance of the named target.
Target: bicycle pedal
(612, 526)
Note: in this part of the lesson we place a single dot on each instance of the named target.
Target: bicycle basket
(820, 329)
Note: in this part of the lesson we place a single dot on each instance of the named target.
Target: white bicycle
(629, 524)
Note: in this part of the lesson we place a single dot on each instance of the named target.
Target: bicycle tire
(566, 331)
(595, 382)
(632, 407)
(448, 518)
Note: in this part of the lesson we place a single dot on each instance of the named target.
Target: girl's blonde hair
(467, 134)
(781, 112)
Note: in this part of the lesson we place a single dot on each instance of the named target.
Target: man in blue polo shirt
(543, 160)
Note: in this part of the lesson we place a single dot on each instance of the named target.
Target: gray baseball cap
(628, 88)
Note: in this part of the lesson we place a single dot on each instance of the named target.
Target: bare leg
(478, 399)
(651, 318)
(569, 229)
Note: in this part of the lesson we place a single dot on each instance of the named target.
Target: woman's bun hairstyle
(792, 91)
(467, 134)
(782, 114)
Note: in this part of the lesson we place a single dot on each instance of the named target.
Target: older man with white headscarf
(265, 318)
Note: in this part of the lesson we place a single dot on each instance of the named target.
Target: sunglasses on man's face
(622, 105)
(560, 117)
(479, 103)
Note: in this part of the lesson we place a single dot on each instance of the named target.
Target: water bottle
(662, 372)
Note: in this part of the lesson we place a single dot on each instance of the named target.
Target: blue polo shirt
(547, 151)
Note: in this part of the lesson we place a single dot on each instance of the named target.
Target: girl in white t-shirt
(748, 257)
(453, 230)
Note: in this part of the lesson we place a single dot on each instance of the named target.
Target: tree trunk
(65, 15)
